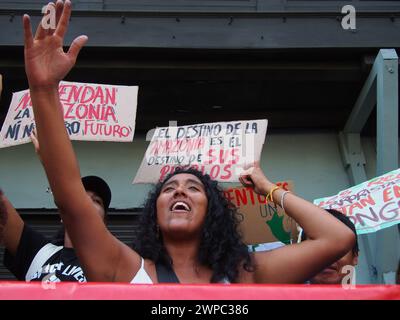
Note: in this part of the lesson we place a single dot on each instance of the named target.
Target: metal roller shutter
(122, 224)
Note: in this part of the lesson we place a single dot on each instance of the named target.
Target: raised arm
(329, 238)
(46, 64)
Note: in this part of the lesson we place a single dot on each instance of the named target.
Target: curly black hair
(221, 246)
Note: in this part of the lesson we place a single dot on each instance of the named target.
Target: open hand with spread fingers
(46, 63)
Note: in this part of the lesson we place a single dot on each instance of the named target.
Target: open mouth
(180, 206)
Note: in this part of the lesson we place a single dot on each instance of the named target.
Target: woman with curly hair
(188, 227)
(221, 250)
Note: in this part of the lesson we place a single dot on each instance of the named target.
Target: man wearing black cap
(337, 271)
(32, 257)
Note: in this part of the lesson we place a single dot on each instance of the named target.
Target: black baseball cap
(98, 186)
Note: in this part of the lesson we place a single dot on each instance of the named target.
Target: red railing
(12, 290)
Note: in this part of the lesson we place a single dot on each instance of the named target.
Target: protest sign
(372, 205)
(221, 149)
(92, 112)
(262, 221)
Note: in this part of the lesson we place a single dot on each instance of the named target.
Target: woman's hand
(46, 63)
(36, 144)
(254, 177)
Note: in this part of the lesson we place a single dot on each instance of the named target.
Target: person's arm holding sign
(46, 65)
(329, 238)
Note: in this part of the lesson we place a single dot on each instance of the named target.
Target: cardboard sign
(372, 205)
(221, 149)
(92, 112)
(262, 221)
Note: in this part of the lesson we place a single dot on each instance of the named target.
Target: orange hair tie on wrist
(270, 194)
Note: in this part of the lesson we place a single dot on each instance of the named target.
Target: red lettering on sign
(381, 180)
(216, 172)
(24, 102)
(222, 156)
(176, 146)
(386, 195)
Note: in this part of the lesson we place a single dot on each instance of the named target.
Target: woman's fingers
(244, 182)
(48, 23)
(247, 182)
(43, 28)
(245, 178)
(28, 38)
(58, 12)
(76, 47)
(62, 25)
(247, 172)
(34, 140)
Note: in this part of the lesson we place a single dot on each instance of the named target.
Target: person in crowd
(189, 229)
(335, 273)
(30, 256)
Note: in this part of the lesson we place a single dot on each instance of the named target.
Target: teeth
(180, 204)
